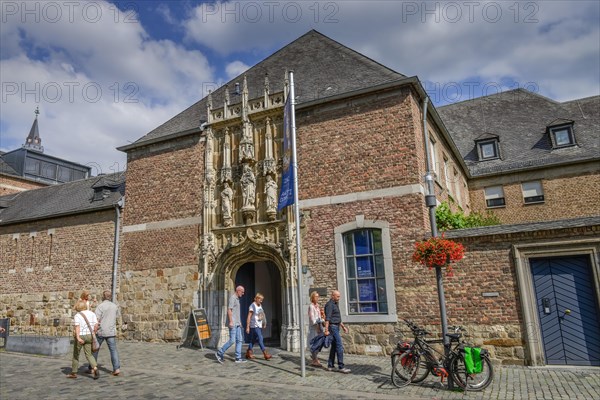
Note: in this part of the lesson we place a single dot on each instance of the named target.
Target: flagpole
(297, 220)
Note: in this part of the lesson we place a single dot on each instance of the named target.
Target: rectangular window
(446, 173)
(32, 166)
(365, 272)
(532, 192)
(488, 150)
(562, 136)
(432, 158)
(64, 174)
(494, 196)
(48, 170)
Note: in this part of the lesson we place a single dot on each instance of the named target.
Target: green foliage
(446, 219)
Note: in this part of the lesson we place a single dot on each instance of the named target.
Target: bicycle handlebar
(422, 332)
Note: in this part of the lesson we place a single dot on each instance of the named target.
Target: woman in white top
(255, 323)
(83, 338)
(314, 325)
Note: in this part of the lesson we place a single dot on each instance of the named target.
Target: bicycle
(409, 358)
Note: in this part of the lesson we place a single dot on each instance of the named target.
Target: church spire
(33, 141)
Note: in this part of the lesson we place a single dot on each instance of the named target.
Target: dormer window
(487, 147)
(488, 150)
(561, 133)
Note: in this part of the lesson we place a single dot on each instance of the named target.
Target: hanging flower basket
(437, 251)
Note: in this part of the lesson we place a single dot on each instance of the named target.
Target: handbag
(95, 344)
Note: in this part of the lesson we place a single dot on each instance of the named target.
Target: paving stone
(161, 371)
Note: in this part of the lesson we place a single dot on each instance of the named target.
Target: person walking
(85, 323)
(236, 335)
(255, 323)
(315, 321)
(333, 323)
(108, 313)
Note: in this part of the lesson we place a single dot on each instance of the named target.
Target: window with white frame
(532, 192)
(365, 271)
(447, 173)
(432, 157)
(494, 196)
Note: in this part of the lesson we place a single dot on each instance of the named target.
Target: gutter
(136, 145)
(118, 208)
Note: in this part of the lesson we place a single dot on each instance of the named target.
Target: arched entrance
(263, 277)
(258, 265)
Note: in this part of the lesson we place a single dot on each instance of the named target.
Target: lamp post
(431, 202)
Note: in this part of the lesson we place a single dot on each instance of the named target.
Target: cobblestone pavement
(161, 371)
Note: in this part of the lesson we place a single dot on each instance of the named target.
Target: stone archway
(223, 283)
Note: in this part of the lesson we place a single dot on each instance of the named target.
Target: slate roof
(58, 200)
(322, 68)
(525, 227)
(7, 169)
(520, 119)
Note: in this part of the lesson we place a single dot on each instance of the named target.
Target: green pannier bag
(473, 362)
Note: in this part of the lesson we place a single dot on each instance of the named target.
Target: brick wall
(564, 197)
(362, 145)
(495, 323)
(160, 265)
(12, 184)
(165, 182)
(44, 275)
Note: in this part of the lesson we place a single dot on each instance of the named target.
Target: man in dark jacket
(333, 323)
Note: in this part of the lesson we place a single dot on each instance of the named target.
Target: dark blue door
(568, 310)
(245, 277)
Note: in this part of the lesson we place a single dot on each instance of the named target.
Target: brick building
(200, 216)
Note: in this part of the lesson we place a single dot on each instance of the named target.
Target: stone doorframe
(522, 254)
(222, 286)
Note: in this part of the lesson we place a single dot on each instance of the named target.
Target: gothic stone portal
(259, 269)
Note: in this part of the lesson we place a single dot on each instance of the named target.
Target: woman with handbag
(315, 319)
(255, 323)
(85, 323)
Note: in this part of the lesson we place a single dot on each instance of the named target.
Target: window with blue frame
(365, 272)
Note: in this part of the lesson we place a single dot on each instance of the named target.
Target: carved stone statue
(248, 187)
(271, 192)
(226, 197)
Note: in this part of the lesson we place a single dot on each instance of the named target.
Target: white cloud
(99, 84)
(553, 44)
(145, 81)
(235, 68)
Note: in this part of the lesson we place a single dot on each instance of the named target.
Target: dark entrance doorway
(568, 309)
(263, 277)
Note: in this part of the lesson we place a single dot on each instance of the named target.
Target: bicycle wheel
(422, 372)
(471, 382)
(404, 369)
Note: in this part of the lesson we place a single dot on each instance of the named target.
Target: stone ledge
(43, 345)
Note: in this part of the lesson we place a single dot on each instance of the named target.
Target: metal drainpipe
(430, 202)
(118, 207)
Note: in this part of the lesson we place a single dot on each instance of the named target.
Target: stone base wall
(35, 313)
(502, 341)
(147, 299)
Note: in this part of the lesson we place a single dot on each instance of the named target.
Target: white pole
(297, 219)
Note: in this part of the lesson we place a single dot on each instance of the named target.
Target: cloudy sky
(105, 73)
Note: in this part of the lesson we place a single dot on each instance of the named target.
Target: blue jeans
(235, 336)
(111, 341)
(336, 347)
(256, 333)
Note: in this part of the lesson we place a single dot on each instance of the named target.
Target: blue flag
(286, 195)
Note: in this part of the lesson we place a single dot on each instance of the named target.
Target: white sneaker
(241, 360)
(218, 357)
(344, 370)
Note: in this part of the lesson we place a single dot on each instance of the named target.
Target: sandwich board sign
(196, 329)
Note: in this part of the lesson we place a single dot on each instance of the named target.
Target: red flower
(438, 251)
